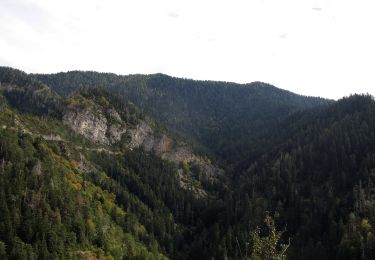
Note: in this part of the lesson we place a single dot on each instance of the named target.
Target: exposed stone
(92, 123)
(163, 146)
(84, 165)
(37, 168)
(115, 132)
(148, 143)
(89, 124)
(114, 115)
(52, 137)
(139, 134)
(179, 154)
(186, 183)
(208, 169)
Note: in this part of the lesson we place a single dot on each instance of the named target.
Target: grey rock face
(37, 168)
(114, 115)
(87, 123)
(163, 146)
(92, 123)
(139, 135)
(115, 132)
(179, 154)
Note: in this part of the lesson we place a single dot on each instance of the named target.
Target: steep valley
(103, 166)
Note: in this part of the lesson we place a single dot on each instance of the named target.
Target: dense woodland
(224, 119)
(298, 180)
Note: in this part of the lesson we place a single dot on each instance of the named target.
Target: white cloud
(310, 47)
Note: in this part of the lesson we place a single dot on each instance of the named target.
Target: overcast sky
(311, 47)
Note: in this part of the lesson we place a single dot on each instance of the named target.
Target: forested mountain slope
(219, 116)
(84, 177)
(49, 207)
(319, 178)
(87, 173)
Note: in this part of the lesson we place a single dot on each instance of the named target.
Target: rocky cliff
(104, 125)
(101, 124)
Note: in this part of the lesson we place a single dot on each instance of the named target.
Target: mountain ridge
(202, 111)
(252, 161)
(77, 140)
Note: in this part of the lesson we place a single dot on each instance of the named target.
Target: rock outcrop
(162, 145)
(105, 126)
(115, 132)
(90, 124)
(95, 123)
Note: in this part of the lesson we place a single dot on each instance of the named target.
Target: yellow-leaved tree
(268, 247)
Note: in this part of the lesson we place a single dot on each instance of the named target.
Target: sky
(310, 47)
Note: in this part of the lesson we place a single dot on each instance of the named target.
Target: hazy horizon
(313, 48)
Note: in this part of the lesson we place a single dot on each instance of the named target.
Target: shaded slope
(27, 94)
(49, 209)
(217, 115)
(124, 199)
(319, 178)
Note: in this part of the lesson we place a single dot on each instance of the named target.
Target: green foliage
(27, 94)
(3, 253)
(72, 199)
(269, 246)
(224, 117)
(99, 98)
(50, 211)
(149, 188)
(318, 177)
